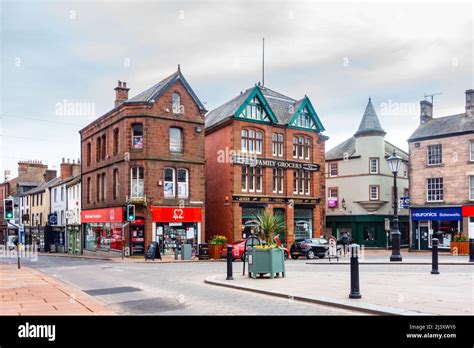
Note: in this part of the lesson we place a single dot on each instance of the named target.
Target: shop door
(74, 240)
(369, 235)
(425, 237)
(280, 212)
(137, 240)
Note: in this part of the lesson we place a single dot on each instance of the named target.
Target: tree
(269, 226)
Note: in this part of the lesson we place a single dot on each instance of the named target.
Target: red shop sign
(468, 210)
(176, 214)
(102, 215)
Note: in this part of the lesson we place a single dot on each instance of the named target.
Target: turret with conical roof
(370, 124)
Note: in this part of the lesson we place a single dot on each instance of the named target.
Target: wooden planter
(262, 261)
(459, 248)
(215, 250)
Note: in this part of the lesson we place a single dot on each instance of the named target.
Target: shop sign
(446, 214)
(176, 214)
(264, 162)
(404, 202)
(468, 210)
(102, 215)
(332, 202)
(276, 200)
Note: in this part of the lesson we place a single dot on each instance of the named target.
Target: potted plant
(459, 245)
(216, 244)
(268, 257)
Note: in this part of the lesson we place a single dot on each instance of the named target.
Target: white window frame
(439, 183)
(307, 179)
(278, 180)
(330, 170)
(307, 148)
(181, 147)
(245, 179)
(377, 189)
(428, 154)
(471, 187)
(471, 150)
(186, 182)
(173, 183)
(176, 103)
(244, 136)
(138, 181)
(258, 178)
(371, 161)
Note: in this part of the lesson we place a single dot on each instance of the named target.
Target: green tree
(269, 226)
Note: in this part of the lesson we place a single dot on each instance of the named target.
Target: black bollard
(355, 292)
(434, 262)
(229, 263)
(471, 250)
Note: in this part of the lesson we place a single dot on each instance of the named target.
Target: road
(178, 288)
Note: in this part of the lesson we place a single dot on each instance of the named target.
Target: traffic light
(130, 212)
(8, 209)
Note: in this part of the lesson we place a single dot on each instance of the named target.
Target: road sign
(53, 219)
(69, 214)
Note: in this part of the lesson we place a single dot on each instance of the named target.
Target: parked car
(309, 247)
(238, 251)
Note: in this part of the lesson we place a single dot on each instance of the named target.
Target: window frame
(116, 184)
(377, 171)
(471, 187)
(173, 183)
(139, 145)
(139, 170)
(429, 194)
(176, 110)
(330, 169)
(116, 142)
(471, 150)
(186, 195)
(181, 138)
(244, 178)
(377, 187)
(429, 154)
(278, 180)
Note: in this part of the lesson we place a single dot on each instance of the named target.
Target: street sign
(404, 202)
(69, 214)
(52, 219)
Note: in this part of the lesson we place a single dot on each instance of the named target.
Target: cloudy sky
(57, 54)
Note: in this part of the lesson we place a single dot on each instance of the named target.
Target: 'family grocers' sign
(264, 162)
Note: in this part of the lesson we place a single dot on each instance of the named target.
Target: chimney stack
(470, 103)
(121, 93)
(426, 111)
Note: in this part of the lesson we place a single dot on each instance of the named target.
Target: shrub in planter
(459, 245)
(216, 244)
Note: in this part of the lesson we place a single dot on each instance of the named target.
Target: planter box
(263, 261)
(215, 250)
(459, 248)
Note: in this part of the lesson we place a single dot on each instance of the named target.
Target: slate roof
(42, 187)
(154, 92)
(281, 105)
(443, 126)
(348, 146)
(370, 122)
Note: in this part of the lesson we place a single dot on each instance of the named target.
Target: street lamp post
(394, 163)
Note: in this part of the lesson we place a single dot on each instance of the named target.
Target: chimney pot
(426, 111)
(470, 103)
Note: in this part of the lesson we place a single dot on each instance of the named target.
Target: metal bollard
(176, 252)
(434, 259)
(471, 250)
(229, 263)
(355, 291)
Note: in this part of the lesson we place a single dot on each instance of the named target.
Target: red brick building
(264, 150)
(147, 151)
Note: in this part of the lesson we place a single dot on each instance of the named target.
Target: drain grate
(150, 305)
(109, 291)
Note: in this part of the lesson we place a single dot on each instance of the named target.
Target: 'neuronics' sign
(436, 214)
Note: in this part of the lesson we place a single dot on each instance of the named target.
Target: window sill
(435, 165)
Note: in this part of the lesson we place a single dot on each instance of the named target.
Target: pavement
(26, 291)
(387, 290)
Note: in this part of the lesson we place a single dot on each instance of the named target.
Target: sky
(60, 62)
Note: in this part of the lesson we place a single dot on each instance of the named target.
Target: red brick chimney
(66, 169)
(121, 93)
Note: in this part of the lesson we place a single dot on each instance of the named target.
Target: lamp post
(394, 163)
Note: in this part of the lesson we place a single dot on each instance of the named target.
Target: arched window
(176, 140)
(176, 103)
(137, 136)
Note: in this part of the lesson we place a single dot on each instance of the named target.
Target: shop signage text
(436, 214)
(102, 215)
(276, 200)
(176, 214)
(263, 162)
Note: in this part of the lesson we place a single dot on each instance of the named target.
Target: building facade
(442, 176)
(147, 151)
(359, 185)
(264, 151)
(73, 215)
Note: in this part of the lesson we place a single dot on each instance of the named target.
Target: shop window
(434, 189)
(434, 154)
(303, 228)
(176, 141)
(333, 169)
(374, 165)
(277, 180)
(169, 183)
(374, 192)
(137, 182)
(137, 136)
(176, 103)
(116, 141)
(183, 183)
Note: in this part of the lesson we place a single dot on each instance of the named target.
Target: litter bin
(186, 252)
(203, 253)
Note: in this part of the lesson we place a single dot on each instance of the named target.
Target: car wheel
(310, 254)
(294, 257)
